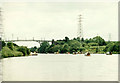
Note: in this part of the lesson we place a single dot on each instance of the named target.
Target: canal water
(61, 67)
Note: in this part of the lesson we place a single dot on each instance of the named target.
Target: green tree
(109, 47)
(43, 47)
(82, 39)
(116, 47)
(53, 41)
(87, 41)
(49, 49)
(96, 50)
(3, 44)
(74, 46)
(93, 44)
(99, 40)
(91, 40)
(78, 39)
(66, 48)
(33, 49)
(56, 48)
(74, 39)
(81, 49)
(7, 52)
(10, 45)
(60, 42)
(74, 43)
(28, 51)
(66, 39)
(15, 45)
(24, 50)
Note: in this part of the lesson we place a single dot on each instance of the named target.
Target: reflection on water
(61, 67)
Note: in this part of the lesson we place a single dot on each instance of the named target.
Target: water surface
(61, 67)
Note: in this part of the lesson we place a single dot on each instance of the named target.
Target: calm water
(61, 67)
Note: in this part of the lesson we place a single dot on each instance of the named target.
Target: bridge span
(39, 41)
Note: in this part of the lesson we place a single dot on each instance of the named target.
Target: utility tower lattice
(80, 31)
(1, 29)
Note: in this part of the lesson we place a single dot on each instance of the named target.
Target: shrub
(10, 45)
(24, 50)
(17, 53)
(3, 44)
(93, 44)
(6, 52)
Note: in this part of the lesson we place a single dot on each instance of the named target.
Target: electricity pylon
(80, 30)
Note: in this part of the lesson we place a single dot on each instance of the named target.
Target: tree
(15, 45)
(99, 40)
(96, 50)
(7, 52)
(82, 39)
(81, 49)
(91, 40)
(13, 50)
(10, 45)
(66, 39)
(74, 43)
(3, 44)
(74, 49)
(74, 46)
(53, 42)
(93, 44)
(87, 41)
(43, 47)
(83, 44)
(33, 49)
(78, 39)
(74, 39)
(24, 50)
(56, 48)
(116, 47)
(49, 49)
(66, 48)
(60, 42)
(113, 47)
(109, 47)
(28, 51)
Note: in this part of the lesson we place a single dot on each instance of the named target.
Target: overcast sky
(59, 19)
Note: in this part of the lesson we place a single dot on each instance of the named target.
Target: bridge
(39, 41)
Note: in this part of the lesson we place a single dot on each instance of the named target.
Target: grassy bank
(13, 50)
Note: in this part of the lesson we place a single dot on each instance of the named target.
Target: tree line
(93, 45)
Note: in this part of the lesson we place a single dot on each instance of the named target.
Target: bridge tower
(80, 31)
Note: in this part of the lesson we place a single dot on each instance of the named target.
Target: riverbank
(60, 54)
